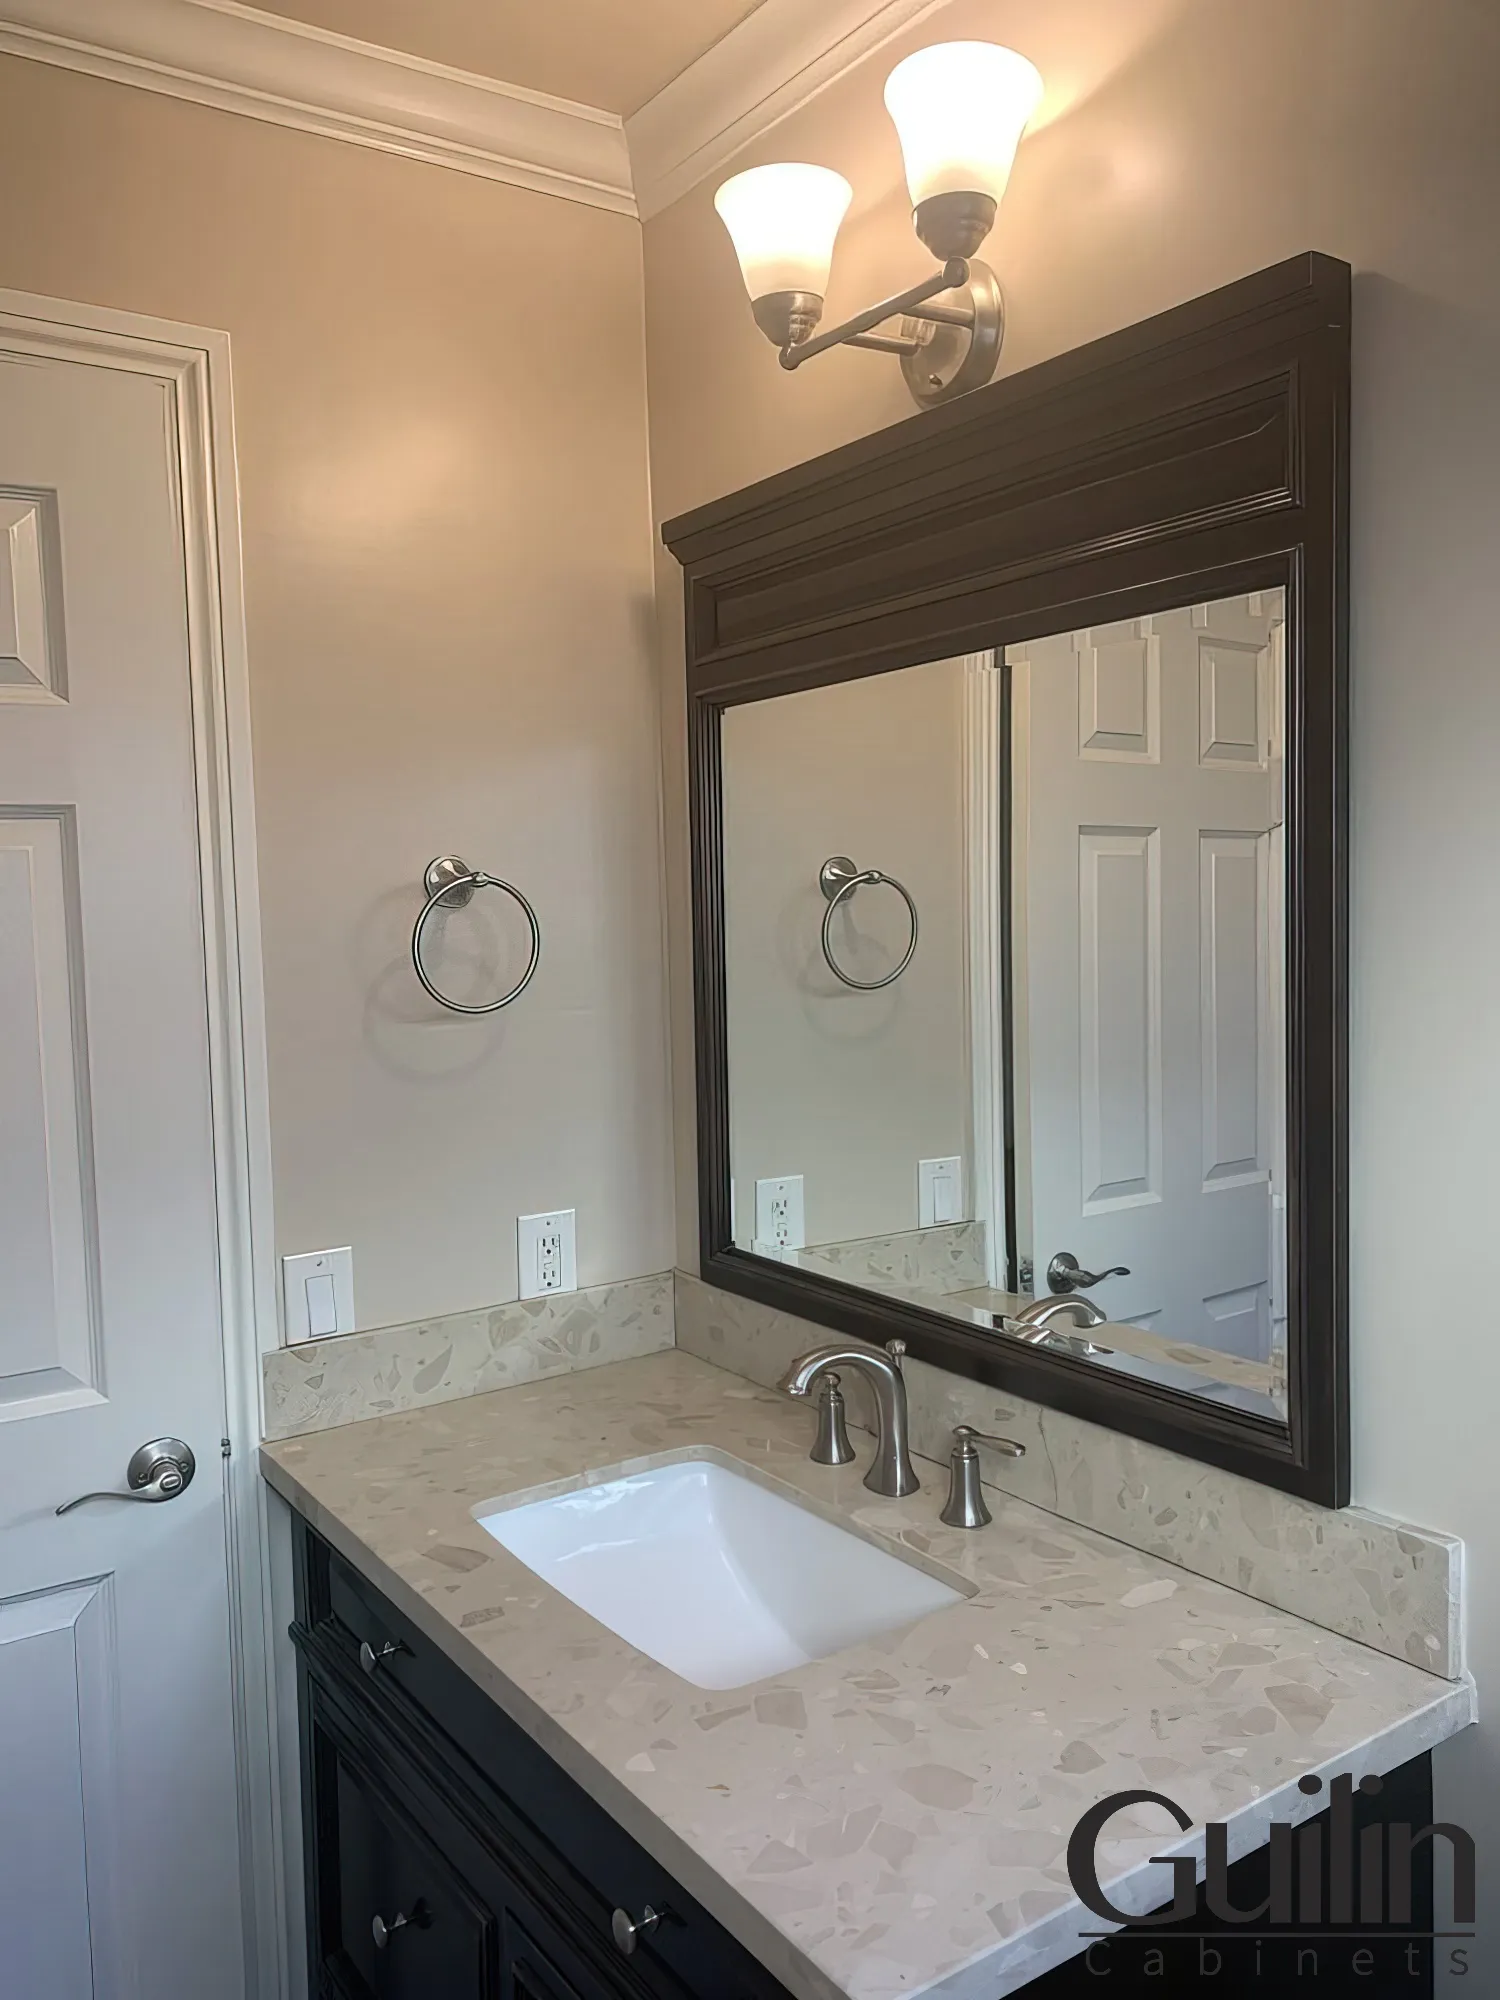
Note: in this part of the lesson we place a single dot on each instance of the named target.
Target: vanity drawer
(585, 1863)
(392, 1919)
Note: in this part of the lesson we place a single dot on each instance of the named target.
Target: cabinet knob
(382, 1931)
(626, 1931)
(370, 1658)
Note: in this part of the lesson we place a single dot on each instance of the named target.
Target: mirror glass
(1004, 950)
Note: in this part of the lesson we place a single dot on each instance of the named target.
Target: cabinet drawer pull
(370, 1658)
(382, 1931)
(626, 1931)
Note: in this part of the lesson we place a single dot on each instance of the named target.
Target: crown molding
(778, 58)
(236, 58)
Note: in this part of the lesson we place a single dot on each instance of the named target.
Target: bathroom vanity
(499, 1790)
(449, 1856)
(1018, 753)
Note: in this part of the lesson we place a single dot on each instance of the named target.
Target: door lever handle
(1066, 1274)
(160, 1470)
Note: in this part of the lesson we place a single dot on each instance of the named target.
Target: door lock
(160, 1470)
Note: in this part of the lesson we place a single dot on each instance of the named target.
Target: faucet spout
(890, 1470)
(1034, 1323)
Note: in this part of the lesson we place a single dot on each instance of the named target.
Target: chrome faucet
(890, 1470)
(1034, 1323)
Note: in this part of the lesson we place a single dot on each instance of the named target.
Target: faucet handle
(831, 1446)
(965, 1436)
(965, 1506)
(896, 1349)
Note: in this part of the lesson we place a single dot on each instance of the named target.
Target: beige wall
(1208, 138)
(448, 574)
(847, 1089)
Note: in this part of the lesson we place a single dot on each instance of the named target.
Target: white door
(1151, 871)
(119, 1861)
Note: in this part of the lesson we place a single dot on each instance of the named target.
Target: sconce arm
(884, 343)
(856, 331)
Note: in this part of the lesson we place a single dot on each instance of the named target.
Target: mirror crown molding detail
(1201, 453)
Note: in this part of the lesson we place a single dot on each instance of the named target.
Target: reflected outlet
(779, 1223)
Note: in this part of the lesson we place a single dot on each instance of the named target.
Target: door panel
(49, 1331)
(1119, 1004)
(56, 1659)
(1150, 782)
(1232, 994)
(114, 1620)
(32, 654)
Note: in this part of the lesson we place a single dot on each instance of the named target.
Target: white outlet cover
(305, 1294)
(780, 1215)
(547, 1252)
(940, 1192)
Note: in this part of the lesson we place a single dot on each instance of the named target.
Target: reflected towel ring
(451, 883)
(838, 878)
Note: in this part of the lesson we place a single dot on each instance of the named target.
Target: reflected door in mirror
(1059, 1067)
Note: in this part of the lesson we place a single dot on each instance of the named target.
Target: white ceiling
(614, 54)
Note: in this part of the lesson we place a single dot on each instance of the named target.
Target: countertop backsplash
(347, 1378)
(1389, 1585)
(1394, 1587)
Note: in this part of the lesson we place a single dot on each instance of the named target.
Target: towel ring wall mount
(838, 878)
(450, 884)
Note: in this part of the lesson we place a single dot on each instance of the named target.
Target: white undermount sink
(718, 1577)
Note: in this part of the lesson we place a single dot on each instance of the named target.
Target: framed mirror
(1018, 753)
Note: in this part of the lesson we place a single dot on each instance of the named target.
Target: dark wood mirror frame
(1200, 453)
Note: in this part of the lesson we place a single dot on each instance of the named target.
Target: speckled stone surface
(892, 1820)
(1259, 1377)
(322, 1383)
(944, 1258)
(1391, 1586)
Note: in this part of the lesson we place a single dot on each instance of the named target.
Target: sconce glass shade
(782, 221)
(959, 109)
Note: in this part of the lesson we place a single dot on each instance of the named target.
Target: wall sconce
(959, 109)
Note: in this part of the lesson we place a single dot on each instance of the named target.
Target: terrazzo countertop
(893, 1820)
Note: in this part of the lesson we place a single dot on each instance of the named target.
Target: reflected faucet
(1034, 1323)
(890, 1470)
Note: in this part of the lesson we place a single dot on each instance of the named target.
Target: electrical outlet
(940, 1192)
(779, 1223)
(547, 1252)
(317, 1294)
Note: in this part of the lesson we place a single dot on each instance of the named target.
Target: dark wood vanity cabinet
(448, 1856)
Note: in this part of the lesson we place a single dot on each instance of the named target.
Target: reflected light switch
(940, 1192)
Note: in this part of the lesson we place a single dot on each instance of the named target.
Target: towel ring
(838, 878)
(450, 883)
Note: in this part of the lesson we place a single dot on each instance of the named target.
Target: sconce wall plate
(947, 345)
(950, 360)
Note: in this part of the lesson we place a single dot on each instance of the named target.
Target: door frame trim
(987, 899)
(195, 362)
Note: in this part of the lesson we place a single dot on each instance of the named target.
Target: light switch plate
(940, 1192)
(317, 1294)
(780, 1215)
(547, 1252)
